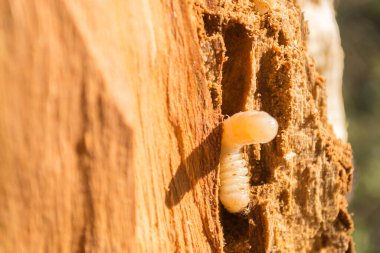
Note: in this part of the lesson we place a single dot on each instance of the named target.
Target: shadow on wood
(202, 160)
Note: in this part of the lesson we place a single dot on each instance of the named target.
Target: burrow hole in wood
(237, 70)
(236, 83)
(212, 24)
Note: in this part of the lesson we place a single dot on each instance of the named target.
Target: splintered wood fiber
(256, 60)
(110, 129)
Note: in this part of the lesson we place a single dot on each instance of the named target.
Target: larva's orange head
(250, 127)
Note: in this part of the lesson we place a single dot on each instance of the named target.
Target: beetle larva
(243, 128)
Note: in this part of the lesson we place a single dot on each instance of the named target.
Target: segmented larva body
(243, 128)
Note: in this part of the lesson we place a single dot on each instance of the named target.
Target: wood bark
(110, 130)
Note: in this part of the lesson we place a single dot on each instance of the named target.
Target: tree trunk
(110, 131)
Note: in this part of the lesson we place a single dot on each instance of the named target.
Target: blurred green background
(359, 22)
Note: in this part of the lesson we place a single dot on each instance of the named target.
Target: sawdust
(255, 60)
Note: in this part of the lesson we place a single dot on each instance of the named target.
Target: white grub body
(243, 128)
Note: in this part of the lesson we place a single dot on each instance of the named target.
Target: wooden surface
(110, 132)
(325, 47)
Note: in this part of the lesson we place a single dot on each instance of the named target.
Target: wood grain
(110, 117)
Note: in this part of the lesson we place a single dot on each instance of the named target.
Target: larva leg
(241, 129)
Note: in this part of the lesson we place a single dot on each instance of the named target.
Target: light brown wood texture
(110, 132)
(325, 48)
